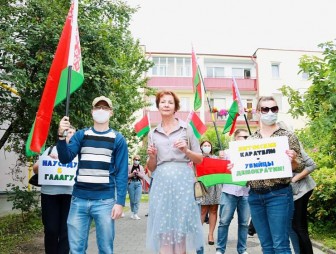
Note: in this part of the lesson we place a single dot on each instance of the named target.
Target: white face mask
(101, 116)
(269, 119)
(206, 149)
(136, 163)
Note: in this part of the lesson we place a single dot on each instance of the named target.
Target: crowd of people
(277, 206)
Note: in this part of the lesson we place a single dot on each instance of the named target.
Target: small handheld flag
(197, 125)
(142, 127)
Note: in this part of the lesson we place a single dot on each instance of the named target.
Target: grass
(324, 234)
(14, 231)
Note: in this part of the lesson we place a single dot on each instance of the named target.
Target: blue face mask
(269, 119)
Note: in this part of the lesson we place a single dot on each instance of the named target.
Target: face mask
(269, 119)
(101, 116)
(136, 163)
(206, 149)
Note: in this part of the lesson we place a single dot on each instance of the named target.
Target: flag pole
(74, 30)
(247, 124)
(67, 105)
(212, 114)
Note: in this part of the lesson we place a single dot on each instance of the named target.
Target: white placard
(258, 159)
(53, 172)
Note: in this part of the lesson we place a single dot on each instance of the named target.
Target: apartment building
(262, 73)
(173, 71)
(278, 67)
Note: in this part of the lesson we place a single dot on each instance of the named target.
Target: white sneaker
(122, 215)
(245, 252)
(132, 217)
(136, 217)
(218, 252)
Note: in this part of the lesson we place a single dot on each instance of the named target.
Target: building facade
(262, 73)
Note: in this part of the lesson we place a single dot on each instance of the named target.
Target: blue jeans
(295, 241)
(229, 203)
(134, 192)
(272, 215)
(82, 211)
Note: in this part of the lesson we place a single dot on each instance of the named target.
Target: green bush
(23, 199)
(321, 206)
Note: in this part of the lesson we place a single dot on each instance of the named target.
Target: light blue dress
(174, 217)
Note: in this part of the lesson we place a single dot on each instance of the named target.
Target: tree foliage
(113, 63)
(318, 103)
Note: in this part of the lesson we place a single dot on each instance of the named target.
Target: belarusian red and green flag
(197, 125)
(197, 85)
(214, 171)
(142, 127)
(235, 109)
(68, 53)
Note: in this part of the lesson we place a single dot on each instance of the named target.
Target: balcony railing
(185, 83)
(155, 118)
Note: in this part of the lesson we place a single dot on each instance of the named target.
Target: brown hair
(159, 95)
(265, 98)
(206, 141)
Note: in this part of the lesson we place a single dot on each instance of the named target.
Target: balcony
(211, 84)
(155, 118)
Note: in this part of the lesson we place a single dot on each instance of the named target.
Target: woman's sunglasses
(265, 110)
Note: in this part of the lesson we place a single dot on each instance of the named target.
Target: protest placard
(53, 172)
(257, 159)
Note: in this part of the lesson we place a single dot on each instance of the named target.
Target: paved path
(131, 237)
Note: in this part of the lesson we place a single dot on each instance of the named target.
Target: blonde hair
(265, 98)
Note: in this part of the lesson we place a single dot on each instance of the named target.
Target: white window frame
(275, 68)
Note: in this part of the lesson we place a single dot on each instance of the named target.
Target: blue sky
(233, 26)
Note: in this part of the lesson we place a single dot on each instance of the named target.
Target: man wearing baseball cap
(99, 191)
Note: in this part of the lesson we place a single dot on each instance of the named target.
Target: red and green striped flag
(142, 127)
(197, 85)
(214, 171)
(197, 125)
(68, 53)
(235, 109)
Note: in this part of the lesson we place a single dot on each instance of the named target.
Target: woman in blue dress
(174, 225)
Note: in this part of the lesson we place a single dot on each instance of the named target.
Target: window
(275, 71)
(171, 66)
(215, 72)
(218, 103)
(241, 73)
(184, 104)
(183, 67)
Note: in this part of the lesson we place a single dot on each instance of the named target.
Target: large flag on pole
(197, 84)
(235, 109)
(197, 125)
(142, 127)
(68, 53)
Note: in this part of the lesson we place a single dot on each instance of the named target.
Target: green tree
(113, 63)
(318, 103)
